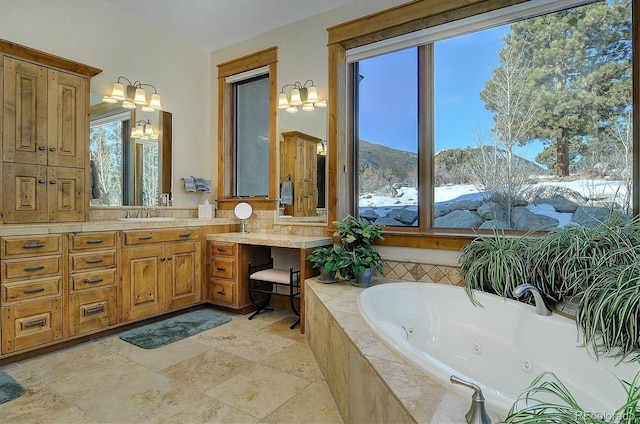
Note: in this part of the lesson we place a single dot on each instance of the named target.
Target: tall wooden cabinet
(45, 131)
(299, 166)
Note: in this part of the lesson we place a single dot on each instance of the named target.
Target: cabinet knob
(170, 257)
(163, 259)
(52, 149)
(42, 148)
(53, 182)
(42, 181)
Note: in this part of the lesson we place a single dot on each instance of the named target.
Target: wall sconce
(133, 94)
(321, 147)
(301, 95)
(143, 130)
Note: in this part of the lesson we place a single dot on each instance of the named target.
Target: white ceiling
(214, 24)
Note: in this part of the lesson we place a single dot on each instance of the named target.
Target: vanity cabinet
(92, 281)
(45, 121)
(161, 271)
(299, 165)
(227, 272)
(31, 271)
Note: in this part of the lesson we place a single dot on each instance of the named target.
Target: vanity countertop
(274, 240)
(108, 225)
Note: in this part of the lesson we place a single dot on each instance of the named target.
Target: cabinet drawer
(222, 248)
(222, 267)
(23, 246)
(34, 289)
(97, 240)
(30, 324)
(160, 236)
(92, 310)
(93, 279)
(91, 260)
(223, 291)
(13, 269)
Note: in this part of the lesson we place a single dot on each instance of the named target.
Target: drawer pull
(221, 268)
(42, 181)
(33, 245)
(34, 268)
(221, 249)
(170, 257)
(41, 148)
(185, 234)
(94, 281)
(31, 291)
(95, 310)
(145, 237)
(163, 259)
(95, 241)
(95, 261)
(222, 292)
(39, 323)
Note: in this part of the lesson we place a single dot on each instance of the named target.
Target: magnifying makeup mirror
(243, 211)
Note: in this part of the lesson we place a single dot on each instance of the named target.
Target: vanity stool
(266, 281)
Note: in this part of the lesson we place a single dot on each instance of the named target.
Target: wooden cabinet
(44, 138)
(31, 271)
(299, 166)
(227, 272)
(161, 271)
(92, 282)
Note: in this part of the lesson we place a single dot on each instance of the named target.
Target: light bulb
(118, 91)
(295, 97)
(283, 103)
(141, 97)
(312, 94)
(155, 102)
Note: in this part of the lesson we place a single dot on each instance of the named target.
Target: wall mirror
(132, 168)
(303, 167)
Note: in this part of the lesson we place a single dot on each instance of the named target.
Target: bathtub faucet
(477, 413)
(541, 307)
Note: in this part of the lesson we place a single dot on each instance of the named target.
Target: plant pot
(363, 279)
(326, 277)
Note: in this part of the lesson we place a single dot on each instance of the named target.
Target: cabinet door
(67, 120)
(143, 281)
(183, 272)
(25, 193)
(25, 112)
(66, 194)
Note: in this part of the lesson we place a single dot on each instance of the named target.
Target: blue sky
(388, 104)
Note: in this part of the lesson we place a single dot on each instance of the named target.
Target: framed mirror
(303, 167)
(130, 154)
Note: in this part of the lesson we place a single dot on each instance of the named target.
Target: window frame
(251, 62)
(401, 20)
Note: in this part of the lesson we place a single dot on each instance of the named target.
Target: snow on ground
(408, 196)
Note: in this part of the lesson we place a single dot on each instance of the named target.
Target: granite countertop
(274, 240)
(109, 225)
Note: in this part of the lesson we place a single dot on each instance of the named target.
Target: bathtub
(501, 346)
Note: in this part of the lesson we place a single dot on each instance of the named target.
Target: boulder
(491, 210)
(404, 215)
(440, 210)
(559, 203)
(523, 219)
(388, 221)
(466, 205)
(590, 216)
(494, 224)
(459, 219)
(550, 191)
(369, 214)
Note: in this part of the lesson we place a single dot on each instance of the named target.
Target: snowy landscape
(606, 191)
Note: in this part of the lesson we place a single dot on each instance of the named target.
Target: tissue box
(205, 211)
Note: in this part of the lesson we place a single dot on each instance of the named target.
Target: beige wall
(96, 34)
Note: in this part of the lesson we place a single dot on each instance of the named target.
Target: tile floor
(244, 371)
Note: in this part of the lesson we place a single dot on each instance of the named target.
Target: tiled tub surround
(369, 382)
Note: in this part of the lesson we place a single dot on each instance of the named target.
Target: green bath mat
(9, 388)
(173, 329)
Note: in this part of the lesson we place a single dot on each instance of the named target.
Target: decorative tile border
(426, 273)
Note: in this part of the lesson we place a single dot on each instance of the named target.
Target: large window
(524, 125)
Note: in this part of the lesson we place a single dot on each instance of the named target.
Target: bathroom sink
(152, 219)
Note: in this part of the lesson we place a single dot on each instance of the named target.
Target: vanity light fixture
(143, 130)
(132, 95)
(301, 95)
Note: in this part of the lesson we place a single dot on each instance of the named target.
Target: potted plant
(356, 239)
(330, 260)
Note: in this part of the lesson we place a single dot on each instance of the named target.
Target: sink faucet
(541, 307)
(477, 413)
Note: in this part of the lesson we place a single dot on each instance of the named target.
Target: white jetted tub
(501, 346)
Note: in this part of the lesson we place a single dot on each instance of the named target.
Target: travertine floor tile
(296, 360)
(314, 405)
(255, 346)
(204, 409)
(259, 391)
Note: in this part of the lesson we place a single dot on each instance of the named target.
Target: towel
(189, 184)
(94, 180)
(203, 185)
(286, 193)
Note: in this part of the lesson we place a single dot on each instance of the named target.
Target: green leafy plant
(330, 259)
(547, 400)
(496, 264)
(364, 257)
(355, 233)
